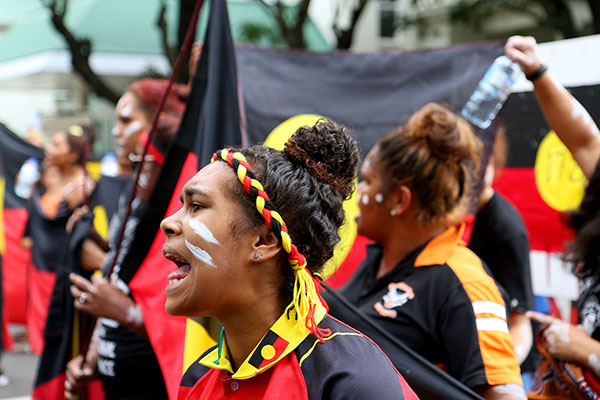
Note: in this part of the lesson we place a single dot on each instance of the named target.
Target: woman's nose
(171, 225)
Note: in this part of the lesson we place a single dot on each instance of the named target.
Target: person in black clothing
(120, 352)
(500, 239)
(576, 129)
(418, 281)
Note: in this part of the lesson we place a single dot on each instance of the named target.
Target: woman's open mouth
(183, 268)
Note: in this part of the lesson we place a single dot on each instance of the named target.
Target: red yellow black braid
(306, 287)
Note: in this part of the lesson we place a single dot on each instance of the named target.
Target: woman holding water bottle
(577, 130)
(418, 281)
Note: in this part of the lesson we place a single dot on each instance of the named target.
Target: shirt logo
(398, 294)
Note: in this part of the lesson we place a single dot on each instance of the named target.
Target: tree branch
(161, 23)
(80, 53)
(344, 36)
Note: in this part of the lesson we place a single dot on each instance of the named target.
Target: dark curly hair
(583, 251)
(307, 182)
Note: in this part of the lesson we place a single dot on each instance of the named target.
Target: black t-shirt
(589, 307)
(500, 239)
(127, 364)
(442, 304)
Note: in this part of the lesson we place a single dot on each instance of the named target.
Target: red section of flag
(547, 232)
(39, 289)
(14, 266)
(166, 333)
(54, 389)
(357, 253)
(279, 345)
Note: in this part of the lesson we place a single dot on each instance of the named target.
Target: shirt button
(235, 385)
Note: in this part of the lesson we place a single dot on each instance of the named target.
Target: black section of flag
(211, 121)
(526, 127)
(59, 331)
(269, 340)
(13, 153)
(369, 93)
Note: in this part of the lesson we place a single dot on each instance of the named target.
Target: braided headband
(306, 293)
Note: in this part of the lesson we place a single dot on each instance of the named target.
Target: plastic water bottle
(29, 174)
(109, 165)
(491, 93)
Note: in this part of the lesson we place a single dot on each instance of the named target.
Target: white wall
(18, 107)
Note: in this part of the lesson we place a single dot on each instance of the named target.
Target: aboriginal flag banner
(370, 93)
(15, 259)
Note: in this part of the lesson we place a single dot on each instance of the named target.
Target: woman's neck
(245, 328)
(404, 241)
(70, 172)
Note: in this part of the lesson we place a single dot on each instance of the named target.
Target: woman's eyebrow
(190, 192)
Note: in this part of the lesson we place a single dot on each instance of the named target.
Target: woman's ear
(266, 246)
(402, 197)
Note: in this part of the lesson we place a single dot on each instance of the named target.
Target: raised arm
(562, 111)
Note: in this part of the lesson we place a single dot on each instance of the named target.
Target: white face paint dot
(365, 199)
(379, 198)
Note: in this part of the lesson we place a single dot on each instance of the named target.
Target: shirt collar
(441, 247)
(282, 338)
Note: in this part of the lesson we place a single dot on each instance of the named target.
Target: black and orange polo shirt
(291, 364)
(440, 302)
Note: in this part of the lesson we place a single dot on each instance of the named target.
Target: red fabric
(546, 230)
(39, 288)
(54, 389)
(355, 256)
(166, 333)
(14, 267)
(284, 380)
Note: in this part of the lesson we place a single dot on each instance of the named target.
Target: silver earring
(255, 256)
(393, 212)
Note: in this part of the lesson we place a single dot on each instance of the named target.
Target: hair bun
(448, 136)
(329, 153)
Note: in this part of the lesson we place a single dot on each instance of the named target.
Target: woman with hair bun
(418, 281)
(255, 227)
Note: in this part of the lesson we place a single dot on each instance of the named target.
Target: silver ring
(83, 297)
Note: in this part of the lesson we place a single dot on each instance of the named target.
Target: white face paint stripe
(132, 128)
(365, 199)
(203, 231)
(379, 198)
(200, 254)
(126, 110)
(114, 131)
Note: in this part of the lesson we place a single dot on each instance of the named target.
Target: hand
(75, 217)
(523, 51)
(100, 298)
(565, 341)
(80, 372)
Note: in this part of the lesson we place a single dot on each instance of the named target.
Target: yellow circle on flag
(101, 221)
(267, 352)
(559, 180)
(276, 140)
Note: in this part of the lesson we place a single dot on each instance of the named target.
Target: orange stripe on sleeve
(495, 342)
